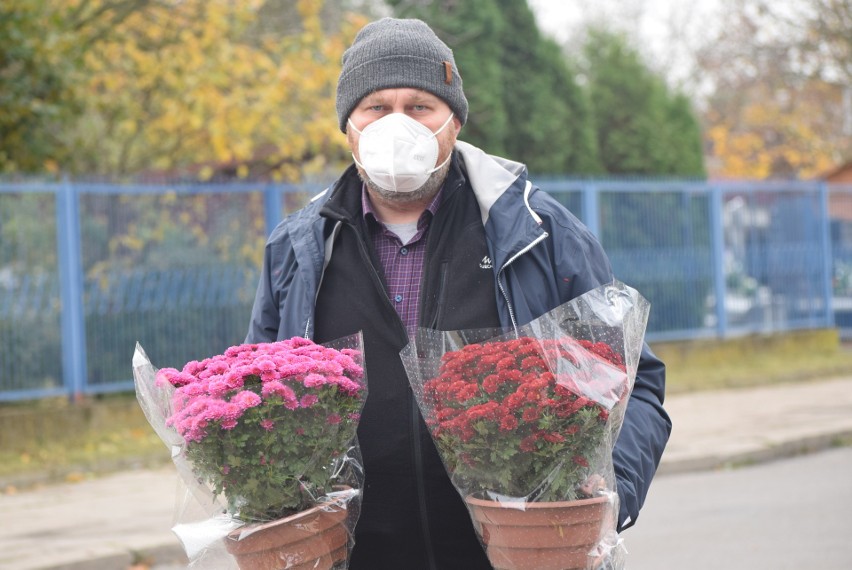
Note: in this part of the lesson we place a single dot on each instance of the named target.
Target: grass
(754, 361)
(54, 440)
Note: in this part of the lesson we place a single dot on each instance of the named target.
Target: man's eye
(377, 108)
(419, 107)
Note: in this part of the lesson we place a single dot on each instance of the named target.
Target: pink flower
(166, 377)
(315, 380)
(333, 419)
(218, 386)
(217, 367)
(308, 400)
(276, 388)
(265, 364)
(267, 424)
(246, 399)
(192, 367)
(269, 375)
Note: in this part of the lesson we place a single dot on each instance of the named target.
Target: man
(426, 230)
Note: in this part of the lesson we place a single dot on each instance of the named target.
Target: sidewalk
(110, 522)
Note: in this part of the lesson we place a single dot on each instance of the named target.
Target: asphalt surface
(116, 521)
(790, 514)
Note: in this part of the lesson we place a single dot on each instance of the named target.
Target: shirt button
(398, 298)
(403, 251)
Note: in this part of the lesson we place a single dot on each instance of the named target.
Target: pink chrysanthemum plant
(268, 426)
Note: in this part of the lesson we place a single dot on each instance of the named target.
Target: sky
(664, 30)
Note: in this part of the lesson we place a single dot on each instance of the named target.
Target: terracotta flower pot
(542, 536)
(315, 539)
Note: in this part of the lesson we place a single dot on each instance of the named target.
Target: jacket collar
(344, 202)
(503, 194)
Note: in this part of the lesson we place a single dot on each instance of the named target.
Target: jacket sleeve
(265, 313)
(642, 439)
(263, 326)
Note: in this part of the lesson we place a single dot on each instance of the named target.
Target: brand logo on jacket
(486, 263)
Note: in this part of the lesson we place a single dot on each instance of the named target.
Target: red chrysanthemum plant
(523, 417)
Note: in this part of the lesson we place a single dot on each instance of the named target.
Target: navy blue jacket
(542, 257)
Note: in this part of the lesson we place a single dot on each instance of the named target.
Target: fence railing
(87, 270)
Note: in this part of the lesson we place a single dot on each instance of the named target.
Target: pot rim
(522, 505)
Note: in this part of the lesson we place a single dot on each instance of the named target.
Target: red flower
(531, 414)
(508, 423)
(514, 401)
(553, 437)
(528, 444)
(491, 383)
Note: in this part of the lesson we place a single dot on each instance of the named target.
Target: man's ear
(457, 124)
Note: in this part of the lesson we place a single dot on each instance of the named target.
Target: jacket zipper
(441, 292)
(538, 240)
(537, 219)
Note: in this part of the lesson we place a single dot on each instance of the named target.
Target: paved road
(789, 514)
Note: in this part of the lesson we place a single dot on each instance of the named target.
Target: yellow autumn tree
(778, 134)
(777, 102)
(199, 87)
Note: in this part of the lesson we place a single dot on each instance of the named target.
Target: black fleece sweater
(411, 518)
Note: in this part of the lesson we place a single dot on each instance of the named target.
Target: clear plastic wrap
(525, 422)
(263, 437)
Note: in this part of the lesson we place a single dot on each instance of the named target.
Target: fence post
(717, 227)
(828, 269)
(73, 326)
(271, 207)
(591, 212)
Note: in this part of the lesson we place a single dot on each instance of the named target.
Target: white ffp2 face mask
(399, 153)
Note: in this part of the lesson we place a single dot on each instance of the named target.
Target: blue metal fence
(86, 270)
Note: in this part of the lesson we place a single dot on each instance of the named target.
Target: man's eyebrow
(421, 95)
(374, 98)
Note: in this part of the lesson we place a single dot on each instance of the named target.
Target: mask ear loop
(447, 122)
(440, 166)
(450, 154)
(351, 124)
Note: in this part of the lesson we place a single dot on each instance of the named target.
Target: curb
(715, 462)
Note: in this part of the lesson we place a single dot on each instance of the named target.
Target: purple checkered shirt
(402, 263)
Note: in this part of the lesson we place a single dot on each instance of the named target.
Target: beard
(423, 194)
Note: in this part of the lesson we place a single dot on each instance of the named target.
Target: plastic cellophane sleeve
(527, 419)
(207, 518)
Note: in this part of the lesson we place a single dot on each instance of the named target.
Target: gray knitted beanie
(391, 53)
